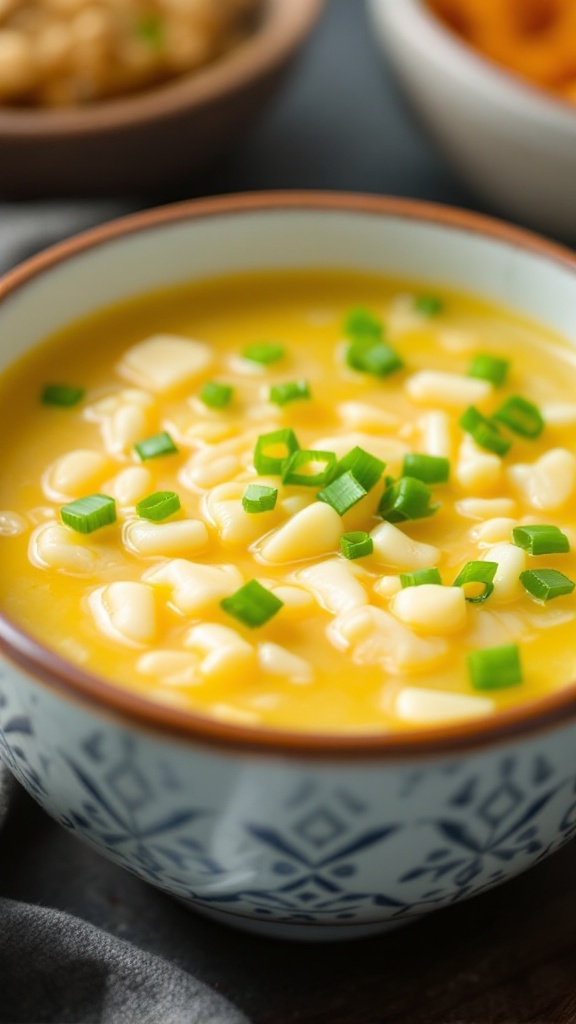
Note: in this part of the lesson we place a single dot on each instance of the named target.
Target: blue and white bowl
(296, 836)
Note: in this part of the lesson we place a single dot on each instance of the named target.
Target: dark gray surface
(340, 124)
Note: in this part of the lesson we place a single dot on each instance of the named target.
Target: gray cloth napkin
(54, 967)
(57, 969)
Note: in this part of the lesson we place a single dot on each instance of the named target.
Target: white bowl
(513, 143)
(293, 835)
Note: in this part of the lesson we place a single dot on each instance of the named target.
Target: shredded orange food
(534, 38)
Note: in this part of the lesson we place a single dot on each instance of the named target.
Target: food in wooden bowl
(134, 96)
(72, 52)
(288, 553)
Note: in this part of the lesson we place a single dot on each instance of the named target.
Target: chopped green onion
(264, 352)
(419, 577)
(406, 498)
(495, 668)
(88, 514)
(322, 466)
(483, 431)
(62, 394)
(291, 391)
(216, 395)
(521, 416)
(545, 584)
(150, 29)
(356, 544)
(540, 540)
(159, 506)
(361, 322)
(342, 493)
(430, 469)
(476, 580)
(490, 368)
(272, 450)
(155, 446)
(429, 305)
(366, 468)
(258, 498)
(370, 356)
(253, 604)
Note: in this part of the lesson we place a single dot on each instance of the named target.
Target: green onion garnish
(541, 540)
(361, 322)
(62, 395)
(489, 368)
(252, 605)
(88, 514)
(483, 431)
(150, 29)
(420, 577)
(216, 395)
(521, 416)
(258, 498)
(342, 493)
(155, 446)
(272, 450)
(264, 352)
(545, 584)
(429, 305)
(476, 580)
(495, 668)
(366, 468)
(356, 544)
(291, 391)
(159, 506)
(321, 468)
(375, 357)
(430, 469)
(406, 498)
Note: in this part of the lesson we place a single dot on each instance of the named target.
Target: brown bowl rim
(74, 684)
(506, 75)
(284, 26)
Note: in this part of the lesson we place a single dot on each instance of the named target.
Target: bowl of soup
(288, 543)
(110, 97)
(494, 85)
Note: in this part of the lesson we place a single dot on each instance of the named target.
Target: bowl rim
(76, 685)
(526, 90)
(284, 25)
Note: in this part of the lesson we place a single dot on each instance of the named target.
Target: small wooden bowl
(156, 138)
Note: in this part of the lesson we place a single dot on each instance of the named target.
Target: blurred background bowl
(513, 143)
(156, 138)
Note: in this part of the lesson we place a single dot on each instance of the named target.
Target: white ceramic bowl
(300, 836)
(513, 143)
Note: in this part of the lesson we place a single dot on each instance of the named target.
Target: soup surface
(312, 502)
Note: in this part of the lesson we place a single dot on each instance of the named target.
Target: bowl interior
(199, 240)
(292, 231)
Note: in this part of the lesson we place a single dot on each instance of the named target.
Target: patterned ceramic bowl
(298, 836)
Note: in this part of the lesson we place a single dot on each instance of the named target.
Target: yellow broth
(346, 676)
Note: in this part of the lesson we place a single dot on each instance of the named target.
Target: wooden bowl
(156, 138)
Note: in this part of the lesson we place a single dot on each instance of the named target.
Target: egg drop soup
(321, 502)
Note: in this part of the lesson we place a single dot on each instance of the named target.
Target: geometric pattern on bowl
(316, 849)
